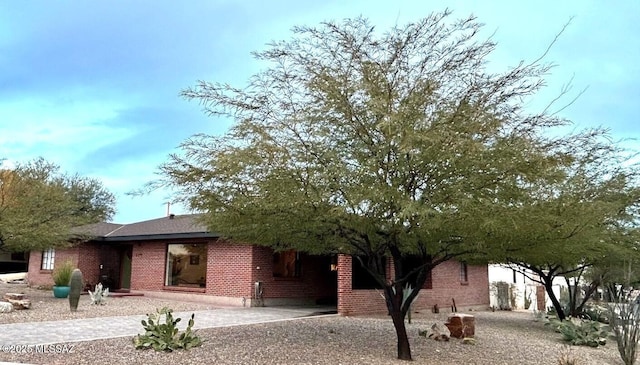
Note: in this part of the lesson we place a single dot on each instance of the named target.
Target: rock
(17, 300)
(20, 304)
(461, 325)
(6, 307)
(14, 296)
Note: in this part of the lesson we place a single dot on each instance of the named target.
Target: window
(48, 259)
(18, 256)
(515, 277)
(464, 273)
(361, 278)
(286, 264)
(410, 263)
(186, 265)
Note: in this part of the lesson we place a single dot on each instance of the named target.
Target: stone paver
(88, 329)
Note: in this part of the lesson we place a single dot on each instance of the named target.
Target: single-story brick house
(177, 257)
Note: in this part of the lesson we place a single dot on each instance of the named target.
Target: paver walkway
(88, 329)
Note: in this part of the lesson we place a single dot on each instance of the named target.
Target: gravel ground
(44, 307)
(501, 338)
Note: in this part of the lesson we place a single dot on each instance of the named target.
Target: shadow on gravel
(320, 313)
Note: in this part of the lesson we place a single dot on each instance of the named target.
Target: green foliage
(99, 295)
(164, 336)
(76, 284)
(398, 143)
(596, 312)
(62, 273)
(39, 205)
(581, 332)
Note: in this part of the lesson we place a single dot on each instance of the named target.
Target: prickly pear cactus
(75, 289)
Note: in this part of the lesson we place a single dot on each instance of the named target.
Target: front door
(125, 267)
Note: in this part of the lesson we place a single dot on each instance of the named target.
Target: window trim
(464, 273)
(297, 266)
(48, 259)
(366, 282)
(168, 277)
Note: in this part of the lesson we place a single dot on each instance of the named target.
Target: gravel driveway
(501, 338)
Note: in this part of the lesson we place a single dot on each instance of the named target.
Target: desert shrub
(62, 274)
(581, 332)
(527, 297)
(596, 313)
(164, 336)
(624, 315)
(566, 357)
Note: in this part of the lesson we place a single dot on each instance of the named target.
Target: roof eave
(152, 237)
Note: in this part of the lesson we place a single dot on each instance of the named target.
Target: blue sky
(93, 86)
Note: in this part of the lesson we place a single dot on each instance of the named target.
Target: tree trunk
(404, 349)
(394, 305)
(556, 303)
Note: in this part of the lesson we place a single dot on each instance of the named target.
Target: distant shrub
(581, 332)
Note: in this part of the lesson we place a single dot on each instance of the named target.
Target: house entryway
(126, 252)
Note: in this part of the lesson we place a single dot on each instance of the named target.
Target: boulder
(461, 325)
(14, 296)
(6, 307)
(17, 300)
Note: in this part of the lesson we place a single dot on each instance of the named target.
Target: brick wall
(445, 286)
(95, 254)
(229, 268)
(316, 282)
(37, 277)
(89, 264)
(148, 265)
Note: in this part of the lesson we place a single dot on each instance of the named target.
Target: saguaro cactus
(75, 289)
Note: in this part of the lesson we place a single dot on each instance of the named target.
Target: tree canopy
(39, 205)
(396, 144)
(586, 218)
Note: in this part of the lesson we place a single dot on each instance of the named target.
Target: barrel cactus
(75, 289)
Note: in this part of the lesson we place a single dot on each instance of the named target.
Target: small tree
(580, 220)
(624, 319)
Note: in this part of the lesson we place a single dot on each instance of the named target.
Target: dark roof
(97, 229)
(170, 227)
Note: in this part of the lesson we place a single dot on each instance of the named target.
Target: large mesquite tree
(394, 144)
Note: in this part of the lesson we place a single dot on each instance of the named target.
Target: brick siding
(316, 282)
(148, 265)
(446, 286)
(37, 277)
(232, 270)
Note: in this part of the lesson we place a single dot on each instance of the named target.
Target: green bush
(596, 312)
(581, 332)
(62, 274)
(164, 336)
